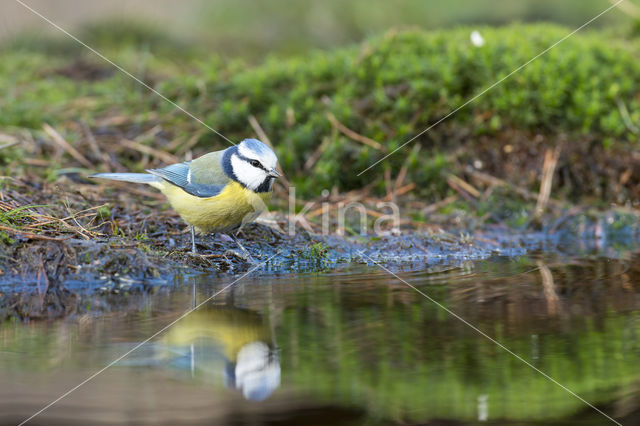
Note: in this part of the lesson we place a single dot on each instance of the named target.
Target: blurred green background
(385, 70)
(250, 28)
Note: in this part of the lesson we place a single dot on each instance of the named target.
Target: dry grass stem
(66, 146)
(145, 149)
(354, 135)
(548, 169)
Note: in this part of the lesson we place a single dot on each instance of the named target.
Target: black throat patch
(266, 185)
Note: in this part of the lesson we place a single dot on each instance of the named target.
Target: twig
(396, 192)
(313, 158)
(462, 187)
(36, 162)
(404, 189)
(96, 148)
(149, 134)
(353, 135)
(550, 294)
(181, 150)
(48, 220)
(548, 169)
(403, 171)
(420, 246)
(119, 120)
(42, 272)
(290, 117)
(8, 145)
(8, 139)
(32, 235)
(486, 240)
(492, 180)
(435, 206)
(73, 217)
(145, 149)
(59, 140)
(253, 122)
(388, 185)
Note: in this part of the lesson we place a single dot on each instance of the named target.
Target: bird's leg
(193, 240)
(244, 251)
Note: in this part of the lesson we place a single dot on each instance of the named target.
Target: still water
(347, 346)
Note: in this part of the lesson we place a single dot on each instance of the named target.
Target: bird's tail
(129, 177)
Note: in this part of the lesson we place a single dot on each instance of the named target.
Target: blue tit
(218, 192)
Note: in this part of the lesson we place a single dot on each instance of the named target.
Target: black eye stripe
(249, 160)
(258, 165)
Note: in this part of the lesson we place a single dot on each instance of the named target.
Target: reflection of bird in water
(229, 341)
(256, 372)
(252, 366)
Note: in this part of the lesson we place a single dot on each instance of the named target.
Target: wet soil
(97, 251)
(45, 278)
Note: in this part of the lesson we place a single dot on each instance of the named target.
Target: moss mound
(393, 87)
(318, 109)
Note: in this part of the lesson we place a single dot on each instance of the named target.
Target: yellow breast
(230, 328)
(234, 207)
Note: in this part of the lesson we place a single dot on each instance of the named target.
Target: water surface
(348, 346)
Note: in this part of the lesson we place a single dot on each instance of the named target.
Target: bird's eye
(254, 163)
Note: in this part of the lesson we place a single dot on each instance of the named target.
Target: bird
(218, 192)
(211, 343)
(241, 338)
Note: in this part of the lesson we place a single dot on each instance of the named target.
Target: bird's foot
(241, 255)
(198, 259)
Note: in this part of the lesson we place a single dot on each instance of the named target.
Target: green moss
(317, 253)
(396, 85)
(16, 217)
(388, 89)
(103, 213)
(6, 239)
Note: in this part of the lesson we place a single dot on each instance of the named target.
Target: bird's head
(252, 164)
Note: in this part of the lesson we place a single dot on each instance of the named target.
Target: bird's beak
(274, 173)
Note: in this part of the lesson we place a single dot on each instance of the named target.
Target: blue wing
(179, 175)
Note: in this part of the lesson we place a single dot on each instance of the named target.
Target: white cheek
(248, 175)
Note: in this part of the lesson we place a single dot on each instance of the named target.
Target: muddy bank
(67, 248)
(52, 278)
